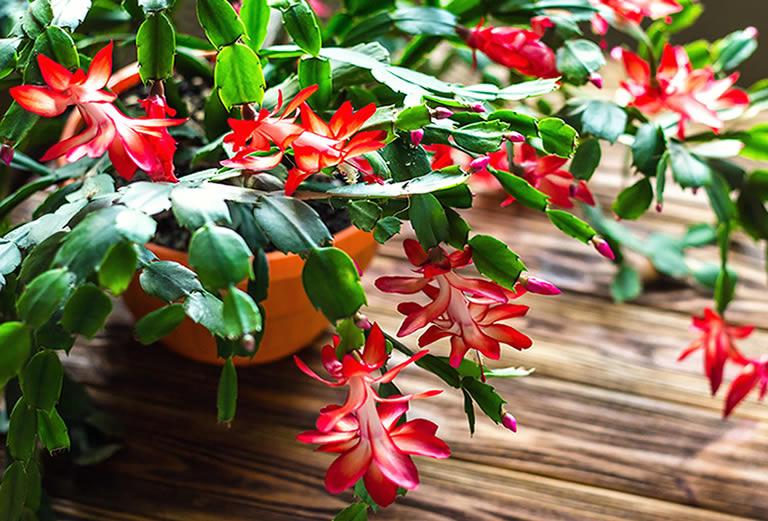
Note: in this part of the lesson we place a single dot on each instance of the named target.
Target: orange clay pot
(291, 322)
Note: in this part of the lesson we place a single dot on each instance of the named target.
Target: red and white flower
(315, 144)
(466, 310)
(132, 143)
(518, 49)
(364, 430)
(633, 11)
(695, 95)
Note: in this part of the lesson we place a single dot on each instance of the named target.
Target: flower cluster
(544, 173)
(469, 311)
(693, 94)
(633, 11)
(366, 431)
(716, 340)
(315, 144)
(132, 143)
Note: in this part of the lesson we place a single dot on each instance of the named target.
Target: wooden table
(611, 427)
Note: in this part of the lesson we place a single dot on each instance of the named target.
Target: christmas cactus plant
(231, 145)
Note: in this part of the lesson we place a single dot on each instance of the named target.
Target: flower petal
(348, 468)
(42, 101)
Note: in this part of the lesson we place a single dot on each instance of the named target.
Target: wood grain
(611, 427)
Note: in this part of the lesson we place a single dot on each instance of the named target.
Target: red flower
(364, 429)
(716, 341)
(518, 49)
(695, 95)
(130, 142)
(545, 173)
(467, 310)
(156, 107)
(316, 144)
(753, 375)
(633, 11)
(251, 139)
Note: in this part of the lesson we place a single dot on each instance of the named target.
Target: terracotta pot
(291, 320)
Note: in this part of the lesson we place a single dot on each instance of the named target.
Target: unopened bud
(248, 342)
(363, 322)
(479, 163)
(514, 137)
(6, 154)
(596, 80)
(751, 32)
(477, 107)
(442, 113)
(538, 286)
(659, 207)
(509, 421)
(416, 136)
(603, 248)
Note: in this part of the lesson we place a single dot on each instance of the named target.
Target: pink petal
(317, 437)
(304, 368)
(358, 392)
(382, 490)
(348, 468)
(390, 412)
(55, 75)
(402, 285)
(375, 352)
(390, 375)
(100, 69)
(419, 441)
(393, 463)
(509, 336)
(740, 388)
(40, 100)
(433, 334)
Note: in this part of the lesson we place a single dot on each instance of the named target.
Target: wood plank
(581, 442)
(570, 432)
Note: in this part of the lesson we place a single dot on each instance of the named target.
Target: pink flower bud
(617, 53)
(659, 207)
(6, 154)
(416, 136)
(477, 107)
(442, 113)
(603, 248)
(596, 80)
(539, 286)
(479, 163)
(509, 421)
(363, 322)
(751, 32)
(514, 137)
(249, 343)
